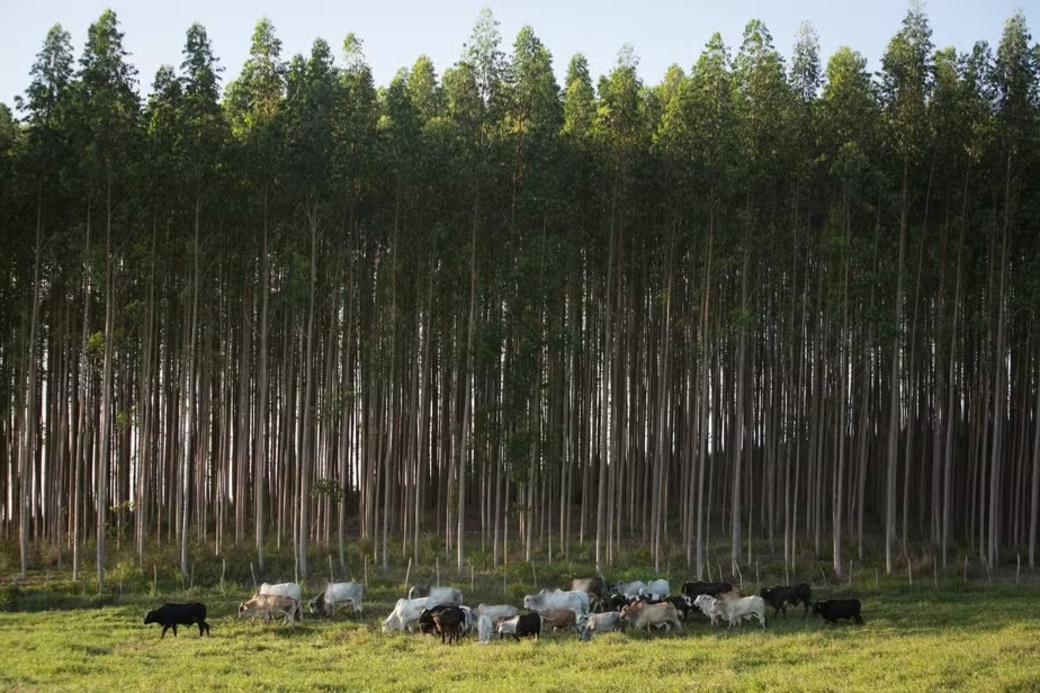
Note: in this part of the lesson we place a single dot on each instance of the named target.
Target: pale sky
(396, 32)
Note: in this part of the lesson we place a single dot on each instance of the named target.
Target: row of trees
(761, 300)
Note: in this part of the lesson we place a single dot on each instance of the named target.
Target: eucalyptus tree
(48, 161)
(253, 102)
(849, 117)
(905, 84)
(1015, 74)
(108, 108)
(621, 136)
(762, 100)
(700, 130)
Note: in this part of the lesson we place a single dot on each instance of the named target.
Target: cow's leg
(166, 626)
(174, 629)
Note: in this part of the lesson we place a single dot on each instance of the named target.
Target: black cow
(834, 609)
(683, 604)
(614, 601)
(172, 615)
(712, 589)
(417, 591)
(447, 622)
(781, 596)
(427, 623)
(524, 625)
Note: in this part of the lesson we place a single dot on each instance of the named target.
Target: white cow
(709, 606)
(335, 594)
(601, 623)
(484, 628)
(449, 596)
(497, 612)
(655, 590)
(286, 589)
(405, 615)
(576, 600)
(268, 605)
(743, 608)
(630, 590)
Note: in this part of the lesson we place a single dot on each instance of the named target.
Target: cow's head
(317, 605)
(151, 617)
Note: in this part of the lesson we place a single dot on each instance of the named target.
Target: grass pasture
(915, 639)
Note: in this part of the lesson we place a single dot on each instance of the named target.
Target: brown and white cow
(271, 605)
(643, 615)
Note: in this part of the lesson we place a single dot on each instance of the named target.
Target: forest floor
(923, 637)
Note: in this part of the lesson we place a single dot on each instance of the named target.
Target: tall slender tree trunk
(894, 389)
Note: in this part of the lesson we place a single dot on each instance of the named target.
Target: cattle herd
(588, 608)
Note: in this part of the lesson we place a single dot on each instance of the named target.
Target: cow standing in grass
(781, 597)
(834, 609)
(172, 615)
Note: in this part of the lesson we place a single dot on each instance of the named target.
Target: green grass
(915, 639)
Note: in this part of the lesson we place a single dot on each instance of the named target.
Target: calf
(834, 609)
(601, 623)
(709, 606)
(448, 623)
(781, 596)
(525, 625)
(172, 615)
(558, 618)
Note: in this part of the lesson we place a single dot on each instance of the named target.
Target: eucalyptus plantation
(774, 310)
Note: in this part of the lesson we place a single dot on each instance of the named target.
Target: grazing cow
(286, 589)
(558, 618)
(270, 605)
(654, 590)
(522, 626)
(601, 623)
(834, 609)
(448, 623)
(558, 599)
(737, 609)
(643, 615)
(781, 596)
(335, 594)
(484, 628)
(630, 590)
(172, 615)
(405, 615)
(497, 612)
(712, 589)
(709, 606)
(593, 586)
